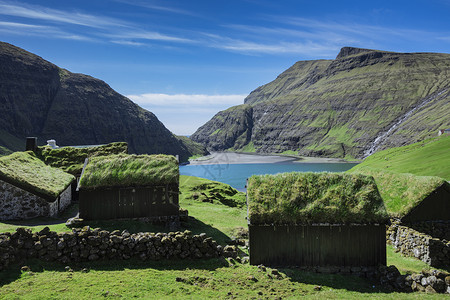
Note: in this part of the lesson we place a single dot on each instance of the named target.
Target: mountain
(350, 107)
(37, 98)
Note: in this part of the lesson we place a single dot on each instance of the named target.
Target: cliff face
(361, 102)
(39, 99)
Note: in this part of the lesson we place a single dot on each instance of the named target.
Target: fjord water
(236, 174)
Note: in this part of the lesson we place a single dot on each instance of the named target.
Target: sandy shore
(245, 158)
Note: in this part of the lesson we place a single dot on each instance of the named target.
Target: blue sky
(185, 60)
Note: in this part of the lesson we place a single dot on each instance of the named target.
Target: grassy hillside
(430, 157)
(337, 108)
(42, 100)
(196, 149)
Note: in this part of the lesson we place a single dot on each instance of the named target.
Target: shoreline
(221, 158)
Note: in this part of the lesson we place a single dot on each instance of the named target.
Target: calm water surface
(236, 174)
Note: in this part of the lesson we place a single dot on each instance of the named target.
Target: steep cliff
(362, 101)
(37, 98)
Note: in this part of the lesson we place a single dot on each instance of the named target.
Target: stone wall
(437, 229)
(18, 204)
(410, 242)
(90, 245)
(429, 281)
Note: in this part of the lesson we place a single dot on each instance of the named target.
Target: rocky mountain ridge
(349, 107)
(37, 98)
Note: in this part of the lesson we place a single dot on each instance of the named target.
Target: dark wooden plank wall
(301, 245)
(435, 207)
(128, 202)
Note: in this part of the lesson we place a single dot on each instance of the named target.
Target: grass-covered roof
(124, 170)
(401, 192)
(26, 171)
(71, 159)
(302, 198)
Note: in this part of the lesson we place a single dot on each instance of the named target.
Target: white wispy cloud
(146, 4)
(347, 30)
(146, 35)
(101, 27)
(59, 16)
(185, 99)
(273, 46)
(39, 30)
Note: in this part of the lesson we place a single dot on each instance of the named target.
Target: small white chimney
(52, 144)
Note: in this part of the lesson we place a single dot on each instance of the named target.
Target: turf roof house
(316, 219)
(419, 207)
(129, 186)
(71, 159)
(29, 188)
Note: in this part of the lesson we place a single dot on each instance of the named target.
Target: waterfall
(382, 136)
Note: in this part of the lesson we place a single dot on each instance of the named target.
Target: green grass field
(190, 279)
(427, 158)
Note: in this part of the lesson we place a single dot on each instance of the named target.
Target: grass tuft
(205, 190)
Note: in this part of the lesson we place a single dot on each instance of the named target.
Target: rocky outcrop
(37, 98)
(230, 129)
(338, 108)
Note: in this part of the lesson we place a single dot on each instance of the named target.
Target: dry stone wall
(88, 244)
(410, 242)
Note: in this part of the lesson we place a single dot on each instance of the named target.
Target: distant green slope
(338, 108)
(427, 158)
(196, 149)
